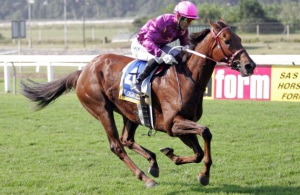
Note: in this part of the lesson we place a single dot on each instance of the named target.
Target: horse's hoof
(150, 184)
(167, 151)
(153, 171)
(204, 180)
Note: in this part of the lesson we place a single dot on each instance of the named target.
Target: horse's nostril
(248, 66)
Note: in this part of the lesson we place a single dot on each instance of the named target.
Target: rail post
(49, 72)
(6, 78)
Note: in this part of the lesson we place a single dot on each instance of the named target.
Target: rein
(230, 60)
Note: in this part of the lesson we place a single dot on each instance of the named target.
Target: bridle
(230, 60)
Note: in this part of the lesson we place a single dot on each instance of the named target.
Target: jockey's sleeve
(151, 47)
(155, 36)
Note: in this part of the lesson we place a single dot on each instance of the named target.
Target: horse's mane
(197, 37)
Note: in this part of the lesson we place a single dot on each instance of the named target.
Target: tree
(209, 12)
(252, 14)
(251, 10)
(290, 13)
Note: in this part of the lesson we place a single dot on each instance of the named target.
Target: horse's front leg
(185, 129)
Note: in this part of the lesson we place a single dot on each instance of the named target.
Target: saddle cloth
(129, 75)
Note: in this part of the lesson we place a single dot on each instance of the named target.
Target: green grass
(63, 150)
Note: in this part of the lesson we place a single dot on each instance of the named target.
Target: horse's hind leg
(127, 140)
(103, 112)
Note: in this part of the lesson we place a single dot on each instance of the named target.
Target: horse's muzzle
(247, 68)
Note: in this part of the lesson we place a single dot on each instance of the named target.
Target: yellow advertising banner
(285, 83)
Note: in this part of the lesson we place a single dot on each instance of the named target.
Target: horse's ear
(213, 25)
(221, 20)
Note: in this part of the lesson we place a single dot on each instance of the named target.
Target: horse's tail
(44, 94)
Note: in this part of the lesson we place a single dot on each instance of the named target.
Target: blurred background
(95, 26)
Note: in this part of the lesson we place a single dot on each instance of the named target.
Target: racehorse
(97, 88)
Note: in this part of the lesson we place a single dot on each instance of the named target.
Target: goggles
(186, 20)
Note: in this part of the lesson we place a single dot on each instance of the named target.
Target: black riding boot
(136, 87)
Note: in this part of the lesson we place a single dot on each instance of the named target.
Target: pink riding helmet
(187, 9)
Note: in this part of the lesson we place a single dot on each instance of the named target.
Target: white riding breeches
(140, 52)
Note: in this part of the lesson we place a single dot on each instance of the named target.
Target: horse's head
(228, 50)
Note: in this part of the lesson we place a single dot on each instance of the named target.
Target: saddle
(143, 101)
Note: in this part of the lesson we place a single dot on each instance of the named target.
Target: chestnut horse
(97, 88)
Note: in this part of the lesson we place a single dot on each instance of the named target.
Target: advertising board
(229, 84)
(268, 83)
(285, 83)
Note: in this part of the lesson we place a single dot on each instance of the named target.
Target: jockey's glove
(184, 48)
(168, 59)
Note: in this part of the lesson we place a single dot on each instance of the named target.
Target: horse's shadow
(235, 189)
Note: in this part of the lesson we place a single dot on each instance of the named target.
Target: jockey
(151, 41)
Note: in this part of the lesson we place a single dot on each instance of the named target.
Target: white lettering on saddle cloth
(129, 75)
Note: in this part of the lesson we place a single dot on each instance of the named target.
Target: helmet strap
(179, 19)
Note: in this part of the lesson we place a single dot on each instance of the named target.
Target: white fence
(37, 61)
(80, 61)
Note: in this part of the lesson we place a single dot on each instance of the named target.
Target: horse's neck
(201, 68)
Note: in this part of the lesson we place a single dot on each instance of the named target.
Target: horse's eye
(227, 42)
